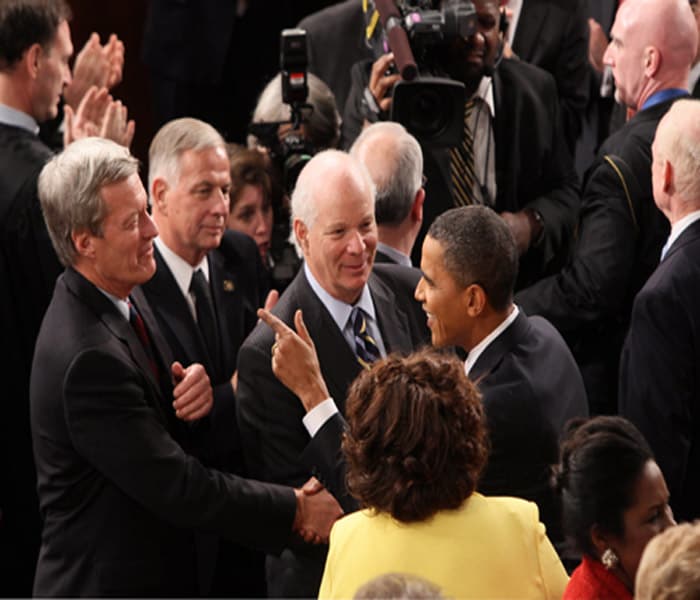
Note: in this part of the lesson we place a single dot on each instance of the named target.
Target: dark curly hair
(601, 460)
(417, 441)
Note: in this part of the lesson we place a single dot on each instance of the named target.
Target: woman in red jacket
(615, 500)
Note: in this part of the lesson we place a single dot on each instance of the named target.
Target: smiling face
(122, 256)
(192, 213)
(468, 60)
(339, 246)
(252, 215)
(649, 515)
(52, 74)
(442, 299)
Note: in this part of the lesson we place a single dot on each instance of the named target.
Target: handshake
(317, 510)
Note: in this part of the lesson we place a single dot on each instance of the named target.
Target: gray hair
(395, 159)
(670, 565)
(70, 185)
(172, 140)
(323, 127)
(398, 586)
(678, 141)
(313, 181)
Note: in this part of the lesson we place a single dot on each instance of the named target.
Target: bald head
(676, 160)
(394, 160)
(334, 226)
(653, 45)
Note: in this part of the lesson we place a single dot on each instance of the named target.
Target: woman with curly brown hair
(415, 447)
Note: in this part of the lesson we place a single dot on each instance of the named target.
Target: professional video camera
(430, 107)
(289, 152)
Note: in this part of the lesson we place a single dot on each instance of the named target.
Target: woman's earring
(609, 559)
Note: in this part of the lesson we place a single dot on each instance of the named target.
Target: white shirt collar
(182, 270)
(339, 310)
(485, 92)
(679, 227)
(17, 118)
(478, 350)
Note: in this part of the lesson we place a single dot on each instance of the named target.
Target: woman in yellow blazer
(415, 447)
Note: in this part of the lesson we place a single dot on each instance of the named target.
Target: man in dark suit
(345, 303)
(120, 496)
(189, 190)
(527, 376)
(553, 35)
(621, 231)
(336, 41)
(659, 388)
(521, 166)
(34, 71)
(394, 160)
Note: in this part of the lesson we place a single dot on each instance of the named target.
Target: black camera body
(427, 27)
(431, 108)
(290, 152)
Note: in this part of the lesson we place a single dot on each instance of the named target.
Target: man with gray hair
(35, 50)
(120, 496)
(394, 160)
(659, 387)
(204, 294)
(355, 314)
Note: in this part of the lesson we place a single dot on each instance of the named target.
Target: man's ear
(668, 176)
(301, 232)
(31, 59)
(652, 61)
(83, 242)
(417, 208)
(474, 298)
(159, 199)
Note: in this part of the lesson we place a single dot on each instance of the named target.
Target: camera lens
(429, 114)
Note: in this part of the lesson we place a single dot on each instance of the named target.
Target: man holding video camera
(513, 155)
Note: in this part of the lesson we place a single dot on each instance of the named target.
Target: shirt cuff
(317, 416)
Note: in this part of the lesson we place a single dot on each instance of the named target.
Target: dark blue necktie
(366, 348)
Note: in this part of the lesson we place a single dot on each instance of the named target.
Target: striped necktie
(462, 170)
(366, 348)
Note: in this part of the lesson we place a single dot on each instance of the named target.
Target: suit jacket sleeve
(324, 458)
(658, 374)
(123, 438)
(595, 282)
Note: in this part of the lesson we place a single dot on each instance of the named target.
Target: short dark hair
(601, 461)
(248, 167)
(27, 22)
(416, 442)
(478, 248)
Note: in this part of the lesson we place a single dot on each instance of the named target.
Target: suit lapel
(491, 357)
(175, 312)
(338, 362)
(393, 322)
(107, 312)
(234, 310)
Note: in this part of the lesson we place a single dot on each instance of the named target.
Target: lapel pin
(228, 285)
